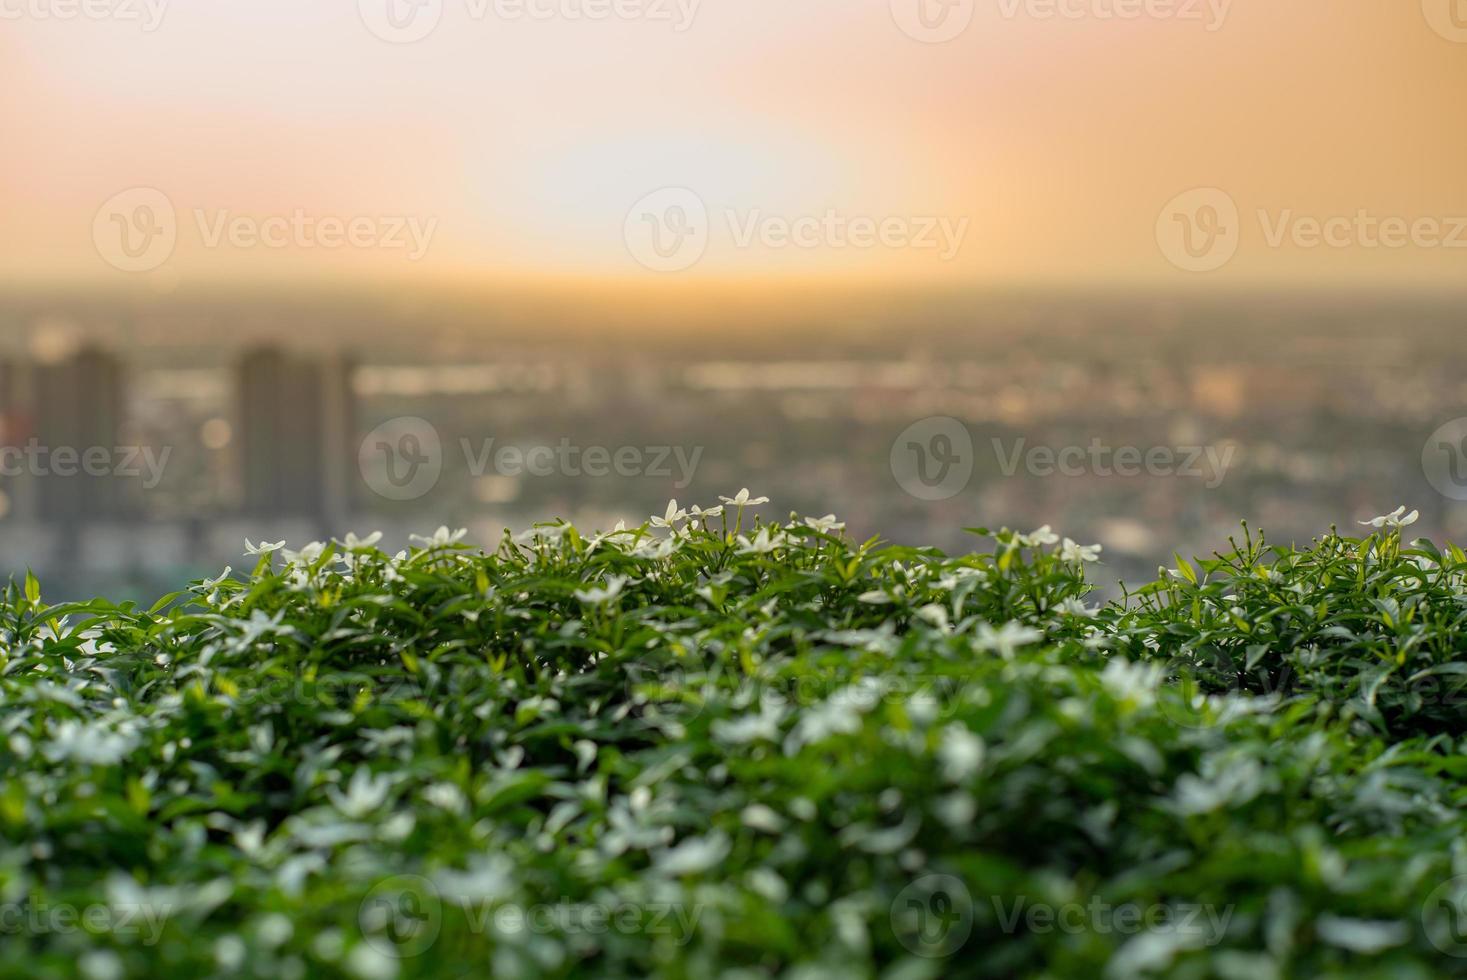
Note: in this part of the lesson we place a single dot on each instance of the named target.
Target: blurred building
(16, 495)
(78, 410)
(296, 424)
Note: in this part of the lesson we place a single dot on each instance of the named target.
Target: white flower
(259, 625)
(352, 541)
(1038, 538)
(389, 570)
(1074, 607)
(764, 542)
(92, 743)
(263, 548)
(547, 533)
(1134, 683)
(960, 753)
(742, 499)
(446, 796)
(364, 794)
(307, 555)
(655, 549)
(750, 727)
(934, 614)
(1070, 551)
(210, 583)
(671, 516)
(487, 878)
(609, 591)
(441, 537)
(695, 855)
(636, 821)
(101, 964)
(760, 817)
(825, 524)
(1005, 640)
(840, 714)
(1394, 519)
(697, 511)
(602, 537)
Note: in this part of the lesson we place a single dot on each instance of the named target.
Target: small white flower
(441, 537)
(543, 534)
(1038, 538)
(92, 743)
(1006, 640)
(364, 794)
(671, 516)
(764, 542)
(655, 549)
(213, 583)
(750, 727)
(609, 591)
(446, 796)
(934, 614)
(259, 625)
(825, 524)
(389, 571)
(840, 714)
(486, 879)
(307, 555)
(352, 541)
(961, 753)
(695, 855)
(101, 964)
(1394, 519)
(1134, 683)
(760, 817)
(263, 548)
(697, 511)
(1074, 607)
(742, 499)
(1070, 551)
(602, 537)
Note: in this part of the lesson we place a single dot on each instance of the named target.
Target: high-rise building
(296, 423)
(78, 409)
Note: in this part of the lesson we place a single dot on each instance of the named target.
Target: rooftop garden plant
(722, 745)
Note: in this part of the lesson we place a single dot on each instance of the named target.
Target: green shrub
(730, 748)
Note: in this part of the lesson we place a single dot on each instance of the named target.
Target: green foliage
(697, 750)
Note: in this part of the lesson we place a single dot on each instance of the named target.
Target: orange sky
(1053, 143)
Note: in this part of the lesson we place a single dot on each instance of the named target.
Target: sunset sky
(1055, 144)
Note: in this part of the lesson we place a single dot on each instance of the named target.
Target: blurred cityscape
(145, 439)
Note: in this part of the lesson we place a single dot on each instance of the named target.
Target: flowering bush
(714, 745)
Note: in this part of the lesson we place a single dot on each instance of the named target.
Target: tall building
(296, 424)
(15, 425)
(78, 407)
